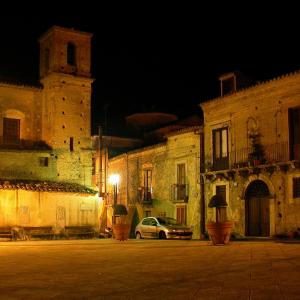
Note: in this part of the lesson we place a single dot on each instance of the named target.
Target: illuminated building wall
(162, 180)
(45, 135)
(252, 149)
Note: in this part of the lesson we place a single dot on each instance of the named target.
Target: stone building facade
(252, 152)
(45, 135)
(160, 180)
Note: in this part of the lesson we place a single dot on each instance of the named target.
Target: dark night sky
(167, 61)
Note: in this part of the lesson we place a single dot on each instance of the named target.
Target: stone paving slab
(148, 269)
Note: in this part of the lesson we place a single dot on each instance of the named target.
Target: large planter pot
(219, 233)
(121, 231)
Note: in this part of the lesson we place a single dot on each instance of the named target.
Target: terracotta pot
(219, 233)
(121, 231)
(291, 234)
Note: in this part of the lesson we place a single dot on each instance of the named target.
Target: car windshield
(168, 221)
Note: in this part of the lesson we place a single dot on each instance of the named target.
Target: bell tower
(66, 51)
(65, 64)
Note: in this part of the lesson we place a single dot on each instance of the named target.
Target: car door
(145, 228)
(153, 228)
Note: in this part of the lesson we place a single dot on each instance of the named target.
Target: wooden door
(258, 216)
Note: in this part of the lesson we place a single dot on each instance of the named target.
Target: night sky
(167, 61)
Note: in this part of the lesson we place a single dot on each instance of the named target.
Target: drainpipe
(127, 175)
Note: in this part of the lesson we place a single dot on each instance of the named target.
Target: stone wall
(180, 148)
(260, 109)
(30, 208)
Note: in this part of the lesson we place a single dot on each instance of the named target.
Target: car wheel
(138, 236)
(162, 235)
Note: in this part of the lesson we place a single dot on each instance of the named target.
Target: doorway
(257, 209)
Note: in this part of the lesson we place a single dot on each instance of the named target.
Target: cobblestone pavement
(148, 269)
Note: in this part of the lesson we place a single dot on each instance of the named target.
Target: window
(71, 54)
(181, 173)
(147, 221)
(181, 186)
(220, 148)
(162, 214)
(146, 191)
(147, 178)
(71, 144)
(11, 131)
(181, 214)
(153, 222)
(296, 187)
(44, 161)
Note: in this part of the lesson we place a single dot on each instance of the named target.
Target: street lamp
(114, 180)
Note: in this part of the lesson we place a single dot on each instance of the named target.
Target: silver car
(162, 228)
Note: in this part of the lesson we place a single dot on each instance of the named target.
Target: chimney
(228, 83)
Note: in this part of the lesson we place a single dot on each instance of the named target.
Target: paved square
(148, 269)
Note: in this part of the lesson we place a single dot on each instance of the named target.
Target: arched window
(71, 54)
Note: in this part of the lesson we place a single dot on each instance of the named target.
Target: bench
(38, 232)
(80, 231)
(7, 232)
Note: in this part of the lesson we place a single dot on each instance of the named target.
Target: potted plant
(257, 155)
(220, 230)
(120, 228)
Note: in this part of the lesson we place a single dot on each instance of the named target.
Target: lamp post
(114, 180)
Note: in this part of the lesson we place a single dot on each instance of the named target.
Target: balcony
(21, 144)
(145, 195)
(180, 193)
(273, 153)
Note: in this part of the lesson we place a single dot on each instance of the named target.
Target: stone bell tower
(65, 63)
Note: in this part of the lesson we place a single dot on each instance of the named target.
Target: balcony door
(147, 185)
(181, 187)
(220, 149)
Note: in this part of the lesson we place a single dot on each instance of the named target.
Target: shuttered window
(11, 130)
(296, 187)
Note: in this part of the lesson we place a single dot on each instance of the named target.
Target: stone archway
(257, 209)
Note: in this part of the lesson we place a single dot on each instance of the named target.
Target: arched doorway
(257, 209)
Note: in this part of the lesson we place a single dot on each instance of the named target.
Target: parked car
(162, 228)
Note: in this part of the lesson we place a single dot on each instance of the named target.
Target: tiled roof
(22, 83)
(44, 186)
(254, 86)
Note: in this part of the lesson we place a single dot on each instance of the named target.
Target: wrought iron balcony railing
(145, 195)
(273, 153)
(180, 193)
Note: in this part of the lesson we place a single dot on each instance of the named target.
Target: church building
(45, 139)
